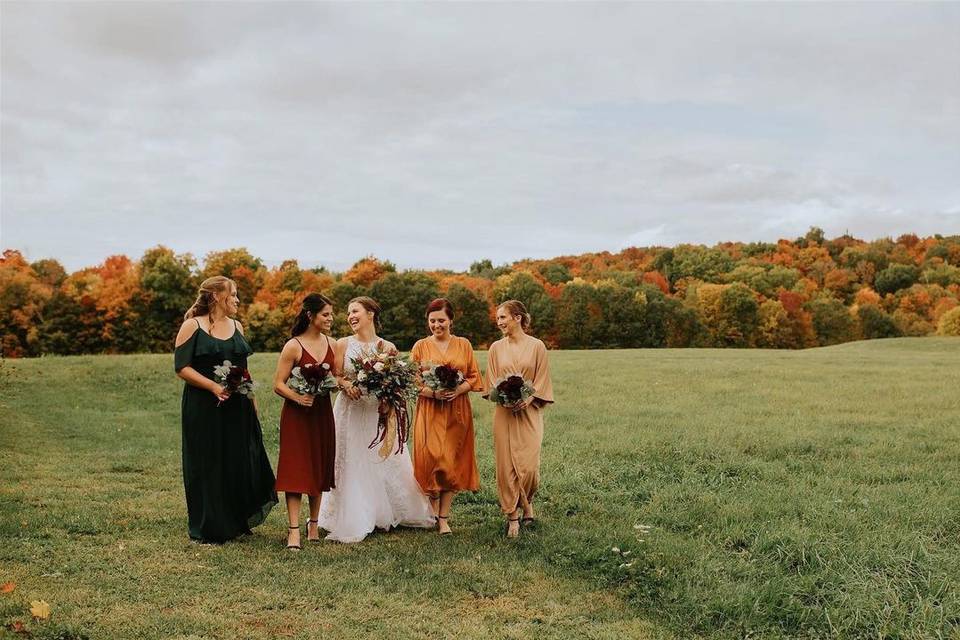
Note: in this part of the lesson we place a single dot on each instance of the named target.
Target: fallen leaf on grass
(8, 587)
(17, 627)
(39, 609)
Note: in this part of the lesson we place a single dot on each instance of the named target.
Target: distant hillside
(810, 291)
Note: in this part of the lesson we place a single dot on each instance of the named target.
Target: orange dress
(444, 457)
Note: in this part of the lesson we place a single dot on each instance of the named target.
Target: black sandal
(316, 522)
(294, 547)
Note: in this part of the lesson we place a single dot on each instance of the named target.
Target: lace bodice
(356, 348)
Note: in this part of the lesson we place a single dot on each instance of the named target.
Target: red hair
(440, 304)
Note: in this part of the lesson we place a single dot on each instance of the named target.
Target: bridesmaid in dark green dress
(226, 472)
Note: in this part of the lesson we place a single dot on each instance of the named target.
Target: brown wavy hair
(206, 297)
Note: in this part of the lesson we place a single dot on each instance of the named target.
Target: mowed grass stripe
(790, 494)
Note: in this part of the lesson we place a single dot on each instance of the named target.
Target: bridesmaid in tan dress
(518, 432)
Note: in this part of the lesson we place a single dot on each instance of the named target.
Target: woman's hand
(221, 392)
(304, 400)
(447, 395)
(353, 391)
(383, 407)
(522, 406)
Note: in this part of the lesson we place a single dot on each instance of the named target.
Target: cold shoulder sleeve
(542, 383)
(183, 355)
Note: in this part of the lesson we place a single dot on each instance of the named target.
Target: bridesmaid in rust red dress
(307, 436)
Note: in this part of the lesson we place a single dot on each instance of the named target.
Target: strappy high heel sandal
(294, 547)
(316, 522)
(517, 533)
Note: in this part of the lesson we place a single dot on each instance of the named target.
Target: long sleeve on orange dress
(444, 457)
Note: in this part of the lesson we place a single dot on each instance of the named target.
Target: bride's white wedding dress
(370, 491)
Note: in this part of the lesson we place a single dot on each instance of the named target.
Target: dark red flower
(511, 388)
(313, 373)
(235, 377)
(448, 376)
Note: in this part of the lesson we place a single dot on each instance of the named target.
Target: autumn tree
(876, 323)
(404, 298)
(556, 273)
(473, 315)
(949, 324)
(49, 271)
(266, 329)
(240, 266)
(832, 321)
(71, 319)
(692, 261)
(522, 286)
(22, 299)
(896, 277)
(729, 313)
(368, 270)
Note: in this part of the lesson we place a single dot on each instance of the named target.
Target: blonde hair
(517, 308)
(206, 297)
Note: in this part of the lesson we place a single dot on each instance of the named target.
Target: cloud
(434, 135)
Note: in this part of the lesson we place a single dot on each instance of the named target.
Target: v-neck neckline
(315, 359)
(436, 345)
(515, 353)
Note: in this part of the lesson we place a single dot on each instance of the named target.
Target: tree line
(792, 294)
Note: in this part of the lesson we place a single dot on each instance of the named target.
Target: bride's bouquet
(441, 377)
(313, 379)
(510, 391)
(234, 379)
(392, 379)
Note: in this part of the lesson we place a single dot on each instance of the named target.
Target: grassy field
(787, 494)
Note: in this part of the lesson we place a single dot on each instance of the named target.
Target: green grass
(790, 494)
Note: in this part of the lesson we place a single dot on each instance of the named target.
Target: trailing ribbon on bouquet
(392, 379)
(392, 428)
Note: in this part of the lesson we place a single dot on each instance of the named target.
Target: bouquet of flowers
(392, 379)
(314, 379)
(510, 391)
(234, 379)
(442, 377)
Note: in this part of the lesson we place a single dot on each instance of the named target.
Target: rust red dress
(307, 440)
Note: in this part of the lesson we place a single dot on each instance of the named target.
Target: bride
(370, 492)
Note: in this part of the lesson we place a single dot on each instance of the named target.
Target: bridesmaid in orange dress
(518, 431)
(307, 436)
(443, 448)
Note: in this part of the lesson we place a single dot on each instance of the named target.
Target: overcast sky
(437, 134)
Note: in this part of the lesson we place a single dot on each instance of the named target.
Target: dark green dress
(226, 472)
